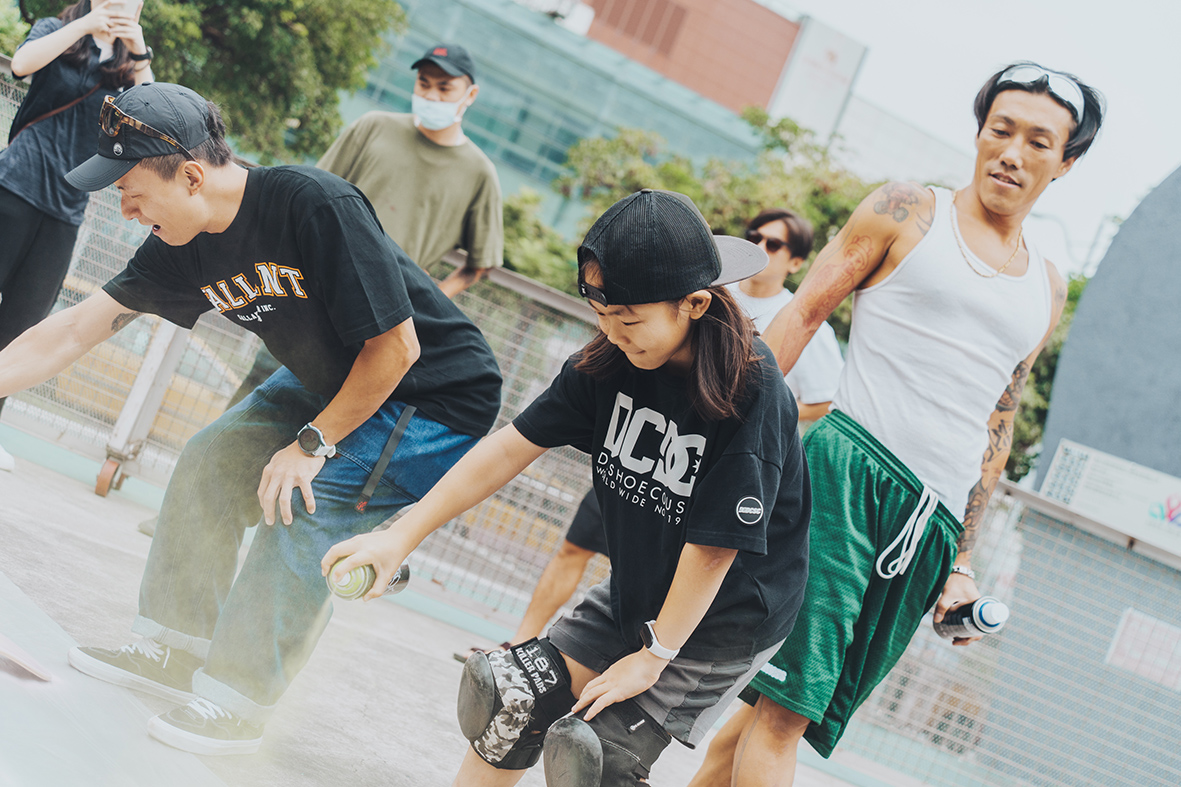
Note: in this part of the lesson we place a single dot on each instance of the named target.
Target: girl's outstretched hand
(383, 550)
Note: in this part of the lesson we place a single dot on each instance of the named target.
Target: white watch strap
(658, 650)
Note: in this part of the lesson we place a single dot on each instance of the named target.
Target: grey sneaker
(203, 727)
(146, 666)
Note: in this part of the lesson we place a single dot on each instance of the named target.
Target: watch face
(646, 635)
(309, 441)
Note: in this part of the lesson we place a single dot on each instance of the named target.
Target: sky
(927, 59)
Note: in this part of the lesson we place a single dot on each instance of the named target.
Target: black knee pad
(614, 749)
(509, 698)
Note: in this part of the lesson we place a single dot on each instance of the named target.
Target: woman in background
(76, 59)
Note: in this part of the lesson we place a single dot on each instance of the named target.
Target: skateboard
(17, 655)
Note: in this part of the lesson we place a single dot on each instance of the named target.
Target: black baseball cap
(452, 58)
(655, 246)
(170, 109)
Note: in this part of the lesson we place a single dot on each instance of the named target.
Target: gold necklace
(955, 231)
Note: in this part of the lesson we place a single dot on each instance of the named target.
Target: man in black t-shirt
(384, 385)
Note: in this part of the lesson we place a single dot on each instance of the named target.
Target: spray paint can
(357, 582)
(985, 615)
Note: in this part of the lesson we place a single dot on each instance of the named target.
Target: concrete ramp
(74, 730)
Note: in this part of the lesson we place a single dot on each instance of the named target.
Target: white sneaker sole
(120, 677)
(198, 744)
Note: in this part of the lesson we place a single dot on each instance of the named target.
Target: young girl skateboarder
(705, 500)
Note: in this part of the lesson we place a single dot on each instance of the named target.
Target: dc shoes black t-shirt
(666, 477)
(306, 266)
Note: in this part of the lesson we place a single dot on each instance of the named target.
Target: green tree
(533, 248)
(274, 66)
(791, 171)
(12, 28)
(1030, 421)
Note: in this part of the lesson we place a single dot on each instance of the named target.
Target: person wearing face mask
(432, 188)
(76, 59)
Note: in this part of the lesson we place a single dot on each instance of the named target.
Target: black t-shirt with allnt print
(666, 477)
(306, 266)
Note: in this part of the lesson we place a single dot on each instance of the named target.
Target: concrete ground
(374, 706)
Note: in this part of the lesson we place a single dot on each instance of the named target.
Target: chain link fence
(1083, 687)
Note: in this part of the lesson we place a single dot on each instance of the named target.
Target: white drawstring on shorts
(912, 533)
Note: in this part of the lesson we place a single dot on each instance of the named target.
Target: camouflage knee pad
(509, 698)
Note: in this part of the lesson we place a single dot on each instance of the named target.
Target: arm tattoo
(123, 320)
(1000, 441)
(974, 514)
(1059, 295)
(895, 199)
(1012, 395)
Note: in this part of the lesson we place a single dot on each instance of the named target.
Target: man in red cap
(432, 188)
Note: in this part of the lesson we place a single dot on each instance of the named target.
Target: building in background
(760, 52)
(553, 72)
(543, 88)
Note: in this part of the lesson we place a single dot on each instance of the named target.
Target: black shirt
(306, 266)
(666, 477)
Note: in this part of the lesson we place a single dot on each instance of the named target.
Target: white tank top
(932, 349)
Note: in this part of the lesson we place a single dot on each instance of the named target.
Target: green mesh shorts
(855, 623)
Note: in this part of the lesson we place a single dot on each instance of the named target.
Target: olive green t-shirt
(429, 198)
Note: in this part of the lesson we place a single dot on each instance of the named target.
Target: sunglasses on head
(1062, 86)
(773, 244)
(111, 120)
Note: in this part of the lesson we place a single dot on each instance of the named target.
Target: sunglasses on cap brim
(111, 120)
(1062, 86)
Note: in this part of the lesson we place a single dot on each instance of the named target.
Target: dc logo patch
(117, 149)
(749, 510)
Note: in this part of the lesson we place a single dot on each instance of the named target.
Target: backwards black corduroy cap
(654, 246)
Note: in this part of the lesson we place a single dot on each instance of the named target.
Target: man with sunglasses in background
(385, 385)
(787, 239)
(951, 308)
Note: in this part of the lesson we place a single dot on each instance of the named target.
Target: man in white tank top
(951, 308)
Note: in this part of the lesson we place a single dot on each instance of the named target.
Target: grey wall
(1118, 384)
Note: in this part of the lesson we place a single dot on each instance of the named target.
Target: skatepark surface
(374, 706)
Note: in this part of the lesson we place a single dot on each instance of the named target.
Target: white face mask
(436, 115)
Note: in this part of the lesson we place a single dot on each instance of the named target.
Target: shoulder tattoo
(897, 201)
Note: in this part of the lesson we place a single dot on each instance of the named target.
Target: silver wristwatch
(967, 572)
(648, 637)
(311, 442)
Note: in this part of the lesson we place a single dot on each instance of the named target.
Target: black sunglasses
(111, 119)
(773, 244)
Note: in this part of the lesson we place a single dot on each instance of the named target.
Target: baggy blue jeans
(257, 631)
